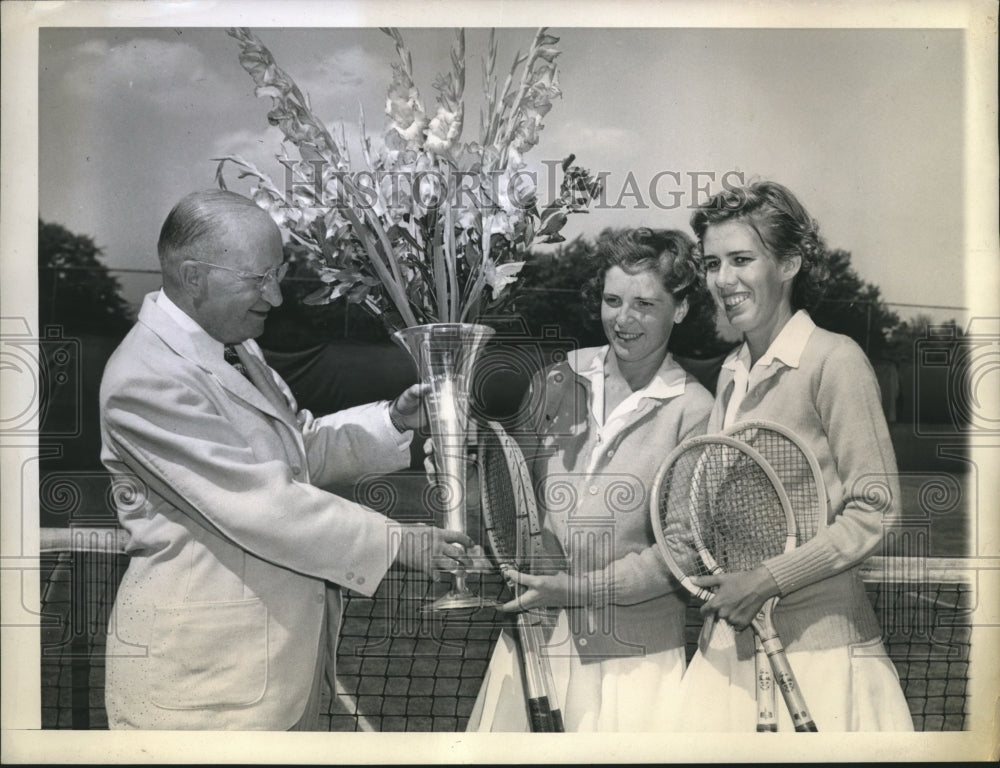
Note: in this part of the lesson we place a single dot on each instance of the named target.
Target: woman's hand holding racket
(511, 518)
(540, 590)
(737, 597)
(719, 510)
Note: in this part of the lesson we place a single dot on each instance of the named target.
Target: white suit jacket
(218, 622)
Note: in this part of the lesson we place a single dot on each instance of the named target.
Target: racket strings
(799, 476)
(676, 507)
(720, 499)
(738, 512)
(499, 500)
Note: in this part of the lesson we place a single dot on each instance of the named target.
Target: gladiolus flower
(499, 276)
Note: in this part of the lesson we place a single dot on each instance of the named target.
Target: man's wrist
(396, 419)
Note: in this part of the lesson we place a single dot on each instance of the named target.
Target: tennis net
(400, 668)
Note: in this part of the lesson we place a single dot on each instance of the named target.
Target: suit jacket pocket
(208, 654)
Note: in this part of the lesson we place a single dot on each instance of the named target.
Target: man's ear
(192, 279)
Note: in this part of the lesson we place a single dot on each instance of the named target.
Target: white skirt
(849, 688)
(630, 694)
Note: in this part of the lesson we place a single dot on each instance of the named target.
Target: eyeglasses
(274, 273)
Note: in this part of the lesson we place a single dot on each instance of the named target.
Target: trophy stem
(445, 355)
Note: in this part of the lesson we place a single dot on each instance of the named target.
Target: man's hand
(549, 591)
(430, 466)
(432, 550)
(738, 596)
(404, 411)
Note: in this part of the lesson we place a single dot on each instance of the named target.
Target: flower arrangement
(430, 229)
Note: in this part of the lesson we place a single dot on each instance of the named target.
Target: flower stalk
(428, 229)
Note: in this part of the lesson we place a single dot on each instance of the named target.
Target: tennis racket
(511, 520)
(718, 506)
(802, 479)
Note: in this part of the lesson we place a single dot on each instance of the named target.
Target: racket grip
(540, 714)
(557, 722)
(785, 678)
(767, 719)
(539, 708)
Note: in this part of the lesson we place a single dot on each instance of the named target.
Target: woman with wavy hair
(601, 423)
(765, 265)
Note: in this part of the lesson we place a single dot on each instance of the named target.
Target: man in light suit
(228, 614)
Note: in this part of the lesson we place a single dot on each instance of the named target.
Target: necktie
(229, 353)
(257, 374)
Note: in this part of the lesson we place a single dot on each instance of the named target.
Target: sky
(864, 125)
(867, 126)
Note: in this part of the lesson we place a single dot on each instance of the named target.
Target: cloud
(338, 81)
(592, 144)
(345, 70)
(164, 74)
(251, 144)
(335, 83)
(260, 148)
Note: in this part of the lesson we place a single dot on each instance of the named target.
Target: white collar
(668, 381)
(187, 323)
(786, 347)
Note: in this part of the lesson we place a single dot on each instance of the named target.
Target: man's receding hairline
(233, 220)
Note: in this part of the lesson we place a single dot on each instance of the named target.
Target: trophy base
(458, 600)
(479, 564)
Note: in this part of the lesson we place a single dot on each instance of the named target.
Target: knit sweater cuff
(599, 590)
(793, 570)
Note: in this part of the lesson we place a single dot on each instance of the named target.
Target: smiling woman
(748, 282)
(765, 264)
(608, 417)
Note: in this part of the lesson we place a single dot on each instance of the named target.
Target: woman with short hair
(764, 264)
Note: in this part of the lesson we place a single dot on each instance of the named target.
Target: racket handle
(557, 721)
(767, 720)
(541, 715)
(548, 682)
(555, 717)
(539, 709)
(794, 700)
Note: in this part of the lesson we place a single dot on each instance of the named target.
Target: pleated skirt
(847, 688)
(620, 695)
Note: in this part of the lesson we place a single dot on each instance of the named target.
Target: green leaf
(318, 297)
(397, 232)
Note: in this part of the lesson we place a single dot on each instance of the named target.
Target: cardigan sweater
(593, 478)
(821, 386)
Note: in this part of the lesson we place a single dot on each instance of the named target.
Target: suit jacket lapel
(198, 349)
(265, 384)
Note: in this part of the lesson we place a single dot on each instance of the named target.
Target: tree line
(78, 292)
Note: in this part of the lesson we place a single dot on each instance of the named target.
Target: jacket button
(611, 453)
(296, 471)
(349, 576)
(593, 490)
(361, 579)
(583, 641)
